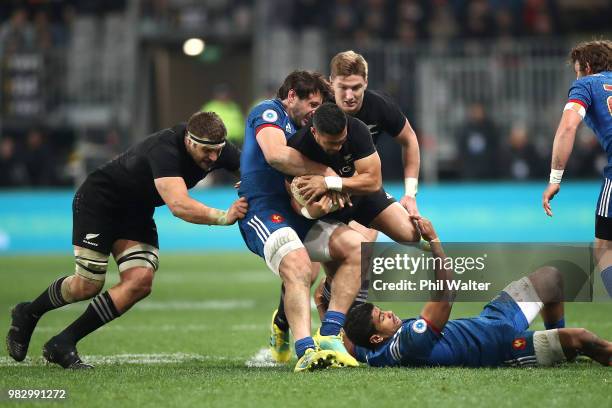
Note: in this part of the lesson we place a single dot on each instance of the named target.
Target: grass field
(189, 344)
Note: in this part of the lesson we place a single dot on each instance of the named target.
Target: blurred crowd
(409, 21)
(33, 156)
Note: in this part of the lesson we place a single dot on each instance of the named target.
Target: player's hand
(311, 187)
(321, 207)
(237, 210)
(425, 227)
(340, 199)
(409, 203)
(548, 195)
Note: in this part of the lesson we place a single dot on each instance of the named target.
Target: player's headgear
(207, 128)
(305, 83)
(348, 63)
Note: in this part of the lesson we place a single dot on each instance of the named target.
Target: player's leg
(370, 234)
(280, 347)
(85, 283)
(395, 222)
(137, 263)
(334, 241)
(602, 251)
(547, 282)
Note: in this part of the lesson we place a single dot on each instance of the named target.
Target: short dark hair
(329, 119)
(597, 54)
(305, 83)
(359, 326)
(207, 125)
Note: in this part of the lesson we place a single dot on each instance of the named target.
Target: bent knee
(76, 287)
(138, 281)
(296, 268)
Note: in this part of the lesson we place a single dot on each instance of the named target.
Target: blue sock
(302, 345)
(332, 323)
(559, 325)
(606, 277)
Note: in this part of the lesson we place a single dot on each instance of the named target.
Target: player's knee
(89, 275)
(548, 283)
(76, 288)
(285, 254)
(295, 268)
(138, 282)
(348, 247)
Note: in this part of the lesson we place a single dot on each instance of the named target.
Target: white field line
(181, 305)
(175, 328)
(155, 358)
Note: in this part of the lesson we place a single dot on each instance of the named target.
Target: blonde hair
(348, 63)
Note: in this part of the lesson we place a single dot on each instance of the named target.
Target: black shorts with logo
(365, 208)
(96, 225)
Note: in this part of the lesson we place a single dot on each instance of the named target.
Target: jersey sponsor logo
(277, 218)
(420, 326)
(288, 128)
(346, 169)
(269, 115)
(389, 196)
(607, 87)
(519, 344)
(89, 237)
(373, 129)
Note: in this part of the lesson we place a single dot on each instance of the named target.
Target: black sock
(281, 319)
(50, 299)
(100, 311)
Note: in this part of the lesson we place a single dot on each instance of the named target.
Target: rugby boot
(279, 342)
(335, 343)
(313, 360)
(20, 332)
(64, 354)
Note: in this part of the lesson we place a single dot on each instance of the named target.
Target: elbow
(274, 159)
(375, 185)
(177, 209)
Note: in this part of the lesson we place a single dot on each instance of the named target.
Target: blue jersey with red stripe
(487, 340)
(594, 93)
(258, 178)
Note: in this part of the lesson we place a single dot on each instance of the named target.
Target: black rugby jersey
(357, 146)
(128, 180)
(381, 114)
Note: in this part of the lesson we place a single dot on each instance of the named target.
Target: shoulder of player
(269, 107)
(356, 126)
(376, 97)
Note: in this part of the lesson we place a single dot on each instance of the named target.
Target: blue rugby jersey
(258, 178)
(594, 94)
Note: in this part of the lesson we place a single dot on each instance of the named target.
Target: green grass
(208, 315)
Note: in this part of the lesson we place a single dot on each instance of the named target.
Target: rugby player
(286, 240)
(349, 80)
(498, 336)
(590, 98)
(113, 213)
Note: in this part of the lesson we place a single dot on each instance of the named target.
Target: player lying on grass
(113, 213)
(497, 337)
(344, 144)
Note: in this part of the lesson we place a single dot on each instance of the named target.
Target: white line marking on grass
(263, 358)
(228, 304)
(155, 358)
(167, 328)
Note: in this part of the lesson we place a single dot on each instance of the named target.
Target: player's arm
(411, 156)
(367, 179)
(286, 159)
(562, 149)
(437, 311)
(173, 191)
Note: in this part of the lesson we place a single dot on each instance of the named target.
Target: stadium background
(482, 81)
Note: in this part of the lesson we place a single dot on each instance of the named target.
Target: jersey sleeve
(361, 140)
(580, 93)
(361, 354)
(265, 115)
(415, 341)
(230, 157)
(163, 157)
(392, 117)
